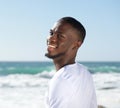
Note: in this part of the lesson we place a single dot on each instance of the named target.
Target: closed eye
(51, 32)
(59, 35)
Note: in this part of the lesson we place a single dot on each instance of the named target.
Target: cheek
(66, 45)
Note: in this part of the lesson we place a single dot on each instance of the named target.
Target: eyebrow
(56, 31)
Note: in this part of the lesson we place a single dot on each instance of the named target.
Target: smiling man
(72, 85)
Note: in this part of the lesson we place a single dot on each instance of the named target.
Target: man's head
(66, 37)
(81, 32)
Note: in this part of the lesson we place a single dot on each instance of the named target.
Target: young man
(72, 85)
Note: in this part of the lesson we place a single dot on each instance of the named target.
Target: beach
(24, 84)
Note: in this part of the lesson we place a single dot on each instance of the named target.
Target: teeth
(52, 46)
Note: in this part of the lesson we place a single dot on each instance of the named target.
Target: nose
(52, 39)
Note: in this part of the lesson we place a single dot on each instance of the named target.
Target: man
(72, 85)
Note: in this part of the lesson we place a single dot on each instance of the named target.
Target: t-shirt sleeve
(73, 93)
(59, 94)
(84, 95)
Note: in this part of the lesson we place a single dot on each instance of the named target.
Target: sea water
(23, 84)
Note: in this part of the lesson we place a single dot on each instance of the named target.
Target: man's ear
(77, 44)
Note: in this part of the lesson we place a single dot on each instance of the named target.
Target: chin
(54, 56)
(48, 55)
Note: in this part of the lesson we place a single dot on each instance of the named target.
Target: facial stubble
(54, 56)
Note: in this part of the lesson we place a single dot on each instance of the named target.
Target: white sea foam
(22, 97)
(25, 80)
(108, 89)
(27, 91)
(23, 90)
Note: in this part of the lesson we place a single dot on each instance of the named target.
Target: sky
(25, 25)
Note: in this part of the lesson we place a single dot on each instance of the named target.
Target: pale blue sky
(25, 24)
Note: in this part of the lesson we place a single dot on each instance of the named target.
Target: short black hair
(75, 24)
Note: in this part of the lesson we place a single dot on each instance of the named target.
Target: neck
(61, 63)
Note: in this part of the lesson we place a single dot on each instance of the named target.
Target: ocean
(23, 84)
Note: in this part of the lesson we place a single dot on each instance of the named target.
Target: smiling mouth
(52, 46)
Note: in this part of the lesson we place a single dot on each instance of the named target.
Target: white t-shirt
(71, 87)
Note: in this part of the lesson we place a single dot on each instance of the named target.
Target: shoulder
(60, 89)
(70, 84)
(77, 71)
(59, 83)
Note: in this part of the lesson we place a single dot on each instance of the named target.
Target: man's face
(61, 40)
